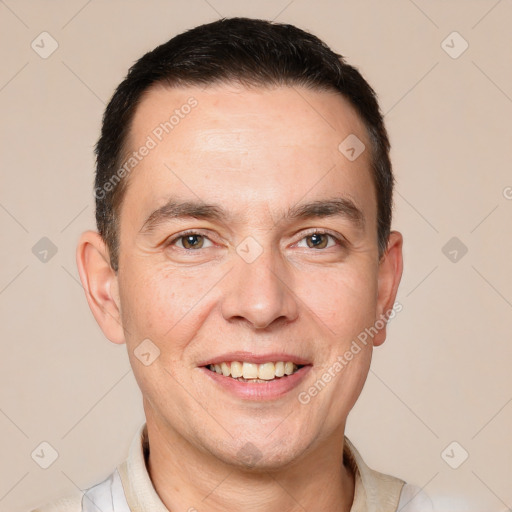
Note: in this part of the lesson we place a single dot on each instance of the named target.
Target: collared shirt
(129, 488)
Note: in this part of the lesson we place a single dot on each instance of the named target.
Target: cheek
(157, 304)
(344, 300)
(143, 303)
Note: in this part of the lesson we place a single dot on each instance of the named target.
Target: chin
(262, 456)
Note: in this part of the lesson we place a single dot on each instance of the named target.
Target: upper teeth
(265, 371)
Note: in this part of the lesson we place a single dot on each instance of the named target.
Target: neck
(187, 478)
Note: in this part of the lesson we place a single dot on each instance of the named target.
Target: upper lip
(250, 357)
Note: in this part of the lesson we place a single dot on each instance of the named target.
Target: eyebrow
(174, 209)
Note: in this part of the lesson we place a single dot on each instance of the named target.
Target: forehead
(236, 110)
(259, 145)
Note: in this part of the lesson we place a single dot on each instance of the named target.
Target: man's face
(251, 284)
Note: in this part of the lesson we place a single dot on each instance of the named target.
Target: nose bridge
(260, 288)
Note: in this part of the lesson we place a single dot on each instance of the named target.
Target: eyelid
(182, 234)
(338, 238)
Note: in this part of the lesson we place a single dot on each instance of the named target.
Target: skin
(256, 152)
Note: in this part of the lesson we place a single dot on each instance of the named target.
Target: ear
(389, 276)
(100, 283)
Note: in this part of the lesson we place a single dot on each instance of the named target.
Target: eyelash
(340, 241)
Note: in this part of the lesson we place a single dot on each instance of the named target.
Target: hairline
(249, 83)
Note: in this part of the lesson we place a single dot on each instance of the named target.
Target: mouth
(243, 371)
(251, 377)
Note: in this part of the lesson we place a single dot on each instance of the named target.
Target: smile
(251, 372)
(254, 377)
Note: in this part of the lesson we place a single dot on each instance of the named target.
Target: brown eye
(320, 240)
(192, 241)
(189, 241)
(317, 241)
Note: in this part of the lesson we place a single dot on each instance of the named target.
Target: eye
(319, 240)
(191, 240)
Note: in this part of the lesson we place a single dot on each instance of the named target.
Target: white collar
(373, 491)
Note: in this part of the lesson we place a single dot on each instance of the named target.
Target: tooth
(225, 369)
(279, 369)
(236, 369)
(250, 370)
(254, 372)
(288, 368)
(266, 371)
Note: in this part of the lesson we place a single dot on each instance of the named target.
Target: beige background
(444, 373)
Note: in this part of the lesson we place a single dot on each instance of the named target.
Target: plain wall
(443, 374)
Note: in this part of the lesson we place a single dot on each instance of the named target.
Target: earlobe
(390, 274)
(100, 284)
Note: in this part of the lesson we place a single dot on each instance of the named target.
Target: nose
(260, 292)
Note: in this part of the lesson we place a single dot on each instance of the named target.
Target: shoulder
(414, 499)
(66, 504)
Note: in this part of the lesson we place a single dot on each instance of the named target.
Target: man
(244, 255)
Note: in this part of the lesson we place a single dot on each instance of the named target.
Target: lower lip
(259, 390)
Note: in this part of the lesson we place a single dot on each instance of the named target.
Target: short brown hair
(251, 52)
